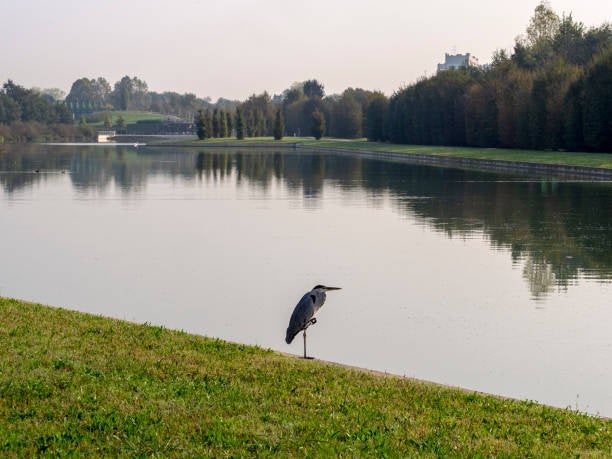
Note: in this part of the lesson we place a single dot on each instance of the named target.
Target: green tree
(279, 125)
(293, 94)
(375, 114)
(240, 127)
(543, 25)
(481, 115)
(258, 111)
(208, 123)
(64, 115)
(597, 108)
(347, 117)
(10, 110)
(312, 88)
(216, 128)
(120, 124)
(222, 124)
(88, 95)
(86, 131)
(200, 123)
(123, 98)
(131, 94)
(251, 126)
(318, 124)
(108, 122)
(229, 122)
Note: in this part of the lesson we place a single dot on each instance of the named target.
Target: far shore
(576, 165)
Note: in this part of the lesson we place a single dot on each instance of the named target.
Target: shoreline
(433, 159)
(496, 165)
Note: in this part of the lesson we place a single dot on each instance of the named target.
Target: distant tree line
(131, 93)
(29, 114)
(305, 110)
(216, 123)
(553, 92)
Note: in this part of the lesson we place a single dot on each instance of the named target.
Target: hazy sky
(235, 48)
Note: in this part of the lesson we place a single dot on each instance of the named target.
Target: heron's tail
(290, 335)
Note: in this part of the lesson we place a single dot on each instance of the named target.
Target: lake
(493, 282)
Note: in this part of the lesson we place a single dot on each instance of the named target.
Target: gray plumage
(304, 313)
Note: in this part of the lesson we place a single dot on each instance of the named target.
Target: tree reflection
(557, 230)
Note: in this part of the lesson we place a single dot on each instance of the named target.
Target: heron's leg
(306, 356)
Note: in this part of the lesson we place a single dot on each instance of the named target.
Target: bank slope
(77, 383)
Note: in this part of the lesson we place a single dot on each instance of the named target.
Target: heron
(303, 315)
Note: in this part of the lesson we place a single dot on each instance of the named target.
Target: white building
(105, 136)
(456, 61)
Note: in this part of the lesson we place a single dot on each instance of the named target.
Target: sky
(235, 48)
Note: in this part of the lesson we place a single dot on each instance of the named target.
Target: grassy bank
(129, 116)
(76, 383)
(533, 156)
(603, 160)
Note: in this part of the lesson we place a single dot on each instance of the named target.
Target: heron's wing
(303, 312)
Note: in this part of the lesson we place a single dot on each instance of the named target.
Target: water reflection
(558, 231)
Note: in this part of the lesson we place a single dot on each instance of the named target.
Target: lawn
(130, 117)
(534, 156)
(602, 160)
(84, 385)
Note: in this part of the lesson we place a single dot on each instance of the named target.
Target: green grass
(130, 117)
(602, 160)
(82, 385)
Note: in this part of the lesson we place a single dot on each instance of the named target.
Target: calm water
(497, 283)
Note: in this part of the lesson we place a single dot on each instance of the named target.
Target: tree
(120, 124)
(597, 108)
(240, 128)
(200, 123)
(56, 94)
(318, 124)
(312, 88)
(10, 110)
(258, 111)
(208, 123)
(64, 115)
(85, 129)
(216, 129)
(131, 94)
(259, 123)
(293, 94)
(251, 126)
(347, 117)
(535, 48)
(222, 124)
(229, 122)
(108, 122)
(481, 115)
(279, 125)
(543, 25)
(88, 95)
(375, 118)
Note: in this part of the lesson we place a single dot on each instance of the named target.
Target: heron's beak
(332, 288)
